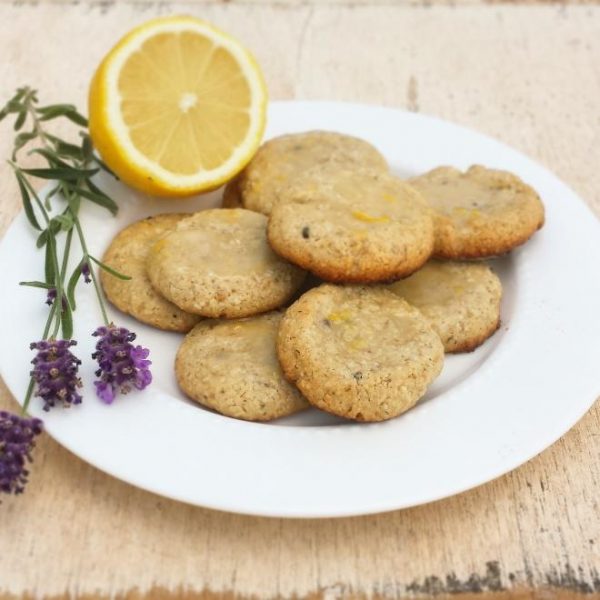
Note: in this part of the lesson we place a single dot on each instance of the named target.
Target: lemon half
(177, 107)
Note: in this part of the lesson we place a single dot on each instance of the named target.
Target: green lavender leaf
(96, 195)
(61, 110)
(21, 140)
(27, 205)
(77, 118)
(87, 148)
(65, 220)
(110, 270)
(20, 121)
(55, 226)
(42, 239)
(54, 110)
(52, 157)
(105, 167)
(55, 190)
(25, 91)
(66, 321)
(13, 106)
(73, 281)
(37, 284)
(73, 199)
(70, 174)
(66, 149)
(49, 270)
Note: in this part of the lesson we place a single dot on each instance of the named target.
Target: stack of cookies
(392, 282)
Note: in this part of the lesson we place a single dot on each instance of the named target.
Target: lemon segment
(177, 107)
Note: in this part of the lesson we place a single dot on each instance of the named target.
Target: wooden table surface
(526, 74)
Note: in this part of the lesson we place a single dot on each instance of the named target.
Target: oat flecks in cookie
(281, 160)
(482, 212)
(218, 263)
(460, 299)
(232, 367)
(359, 352)
(127, 254)
(352, 225)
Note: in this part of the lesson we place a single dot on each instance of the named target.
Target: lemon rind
(141, 170)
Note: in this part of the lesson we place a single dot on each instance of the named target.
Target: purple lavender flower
(51, 297)
(122, 365)
(17, 440)
(55, 372)
(85, 271)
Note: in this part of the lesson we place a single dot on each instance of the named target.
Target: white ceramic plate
(489, 411)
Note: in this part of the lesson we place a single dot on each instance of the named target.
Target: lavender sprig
(55, 374)
(17, 440)
(121, 364)
(71, 168)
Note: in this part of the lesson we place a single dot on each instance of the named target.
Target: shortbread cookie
(351, 225)
(217, 263)
(358, 352)
(280, 160)
(127, 254)
(232, 197)
(460, 299)
(479, 213)
(232, 367)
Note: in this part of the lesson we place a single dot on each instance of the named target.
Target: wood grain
(528, 75)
